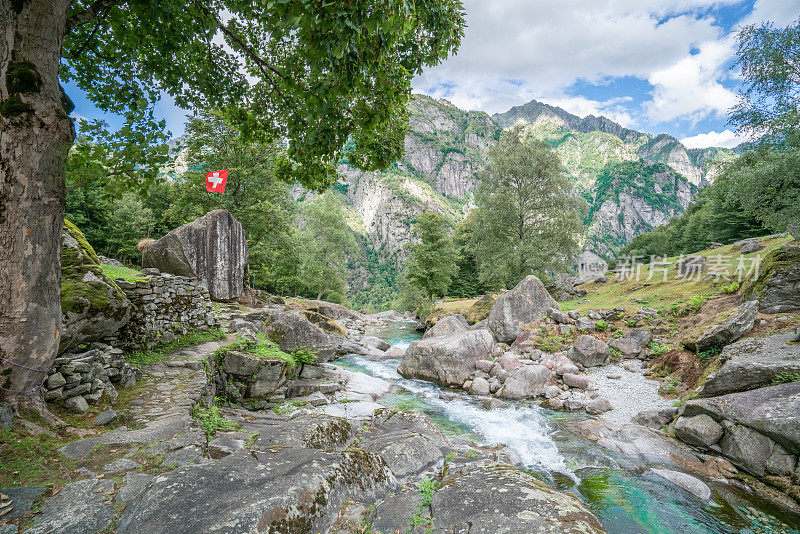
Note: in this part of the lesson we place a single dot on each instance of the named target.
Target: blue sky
(652, 65)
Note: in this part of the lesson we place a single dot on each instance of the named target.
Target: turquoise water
(625, 500)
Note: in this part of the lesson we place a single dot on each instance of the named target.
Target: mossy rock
(777, 286)
(480, 310)
(92, 305)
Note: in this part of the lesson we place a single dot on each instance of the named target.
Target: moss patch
(774, 261)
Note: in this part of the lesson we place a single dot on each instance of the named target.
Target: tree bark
(35, 135)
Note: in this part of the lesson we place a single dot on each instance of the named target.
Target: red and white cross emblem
(215, 181)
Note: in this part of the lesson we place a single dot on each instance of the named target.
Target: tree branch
(90, 13)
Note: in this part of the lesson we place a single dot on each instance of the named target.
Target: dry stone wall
(166, 306)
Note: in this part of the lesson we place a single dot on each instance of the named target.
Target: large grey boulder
(731, 329)
(633, 342)
(212, 248)
(773, 411)
(93, 306)
(526, 303)
(451, 324)
(753, 363)
(491, 498)
(589, 351)
(699, 430)
(526, 382)
(746, 448)
(292, 332)
(777, 287)
(446, 360)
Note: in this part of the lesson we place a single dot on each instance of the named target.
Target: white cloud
(517, 49)
(781, 12)
(690, 88)
(724, 139)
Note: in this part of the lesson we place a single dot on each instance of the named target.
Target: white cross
(215, 179)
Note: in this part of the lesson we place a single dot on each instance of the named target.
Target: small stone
(6, 415)
(598, 405)
(105, 417)
(55, 381)
(76, 404)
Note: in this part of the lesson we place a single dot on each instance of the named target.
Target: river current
(624, 496)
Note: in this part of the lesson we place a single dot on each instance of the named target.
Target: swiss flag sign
(215, 181)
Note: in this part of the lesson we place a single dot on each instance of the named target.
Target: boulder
(773, 411)
(794, 230)
(375, 343)
(446, 360)
(562, 287)
(750, 245)
(777, 287)
(589, 351)
(699, 430)
(297, 489)
(731, 329)
(633, 342)
(488, 497)
(480, 386)
(746, 448)
(78, 508)
(212, 248)
(448, 325)
(93, 306)
(753, 363)
(693, 485)
(335, 311)
(598, 406)
(526, 303)
(575, 380)
(410, 443)
(293, 332)
(527, 382)
(655, 418)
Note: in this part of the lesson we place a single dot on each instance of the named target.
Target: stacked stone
(82, 378)
(166, 306)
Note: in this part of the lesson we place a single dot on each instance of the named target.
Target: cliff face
(631, 180)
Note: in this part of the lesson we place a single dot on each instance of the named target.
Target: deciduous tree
(314, 73)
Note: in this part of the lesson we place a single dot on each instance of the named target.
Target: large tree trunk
(35, 134)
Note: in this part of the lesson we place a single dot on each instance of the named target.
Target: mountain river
(623, 495)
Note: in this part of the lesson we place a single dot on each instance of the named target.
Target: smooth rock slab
(299, 490)
(700, 430)
(123, 464)
(693, 485)
(133, 486)
(496, 498)
(79, 508)
(21, 499)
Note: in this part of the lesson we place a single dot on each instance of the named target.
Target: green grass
(265, 349)
(663, 295)
(129, 275)
(27, 459)
(785, 378)
(162, 351)
(426, 487)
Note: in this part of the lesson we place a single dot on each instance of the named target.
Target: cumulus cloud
(690, 88)
(517, 49)
(724, 139)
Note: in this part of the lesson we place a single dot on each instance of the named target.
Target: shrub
(659, 349)
(213, 421)
(550, 343)
(600, 325)
(706, 355)
(733, 287)
(616, 354)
